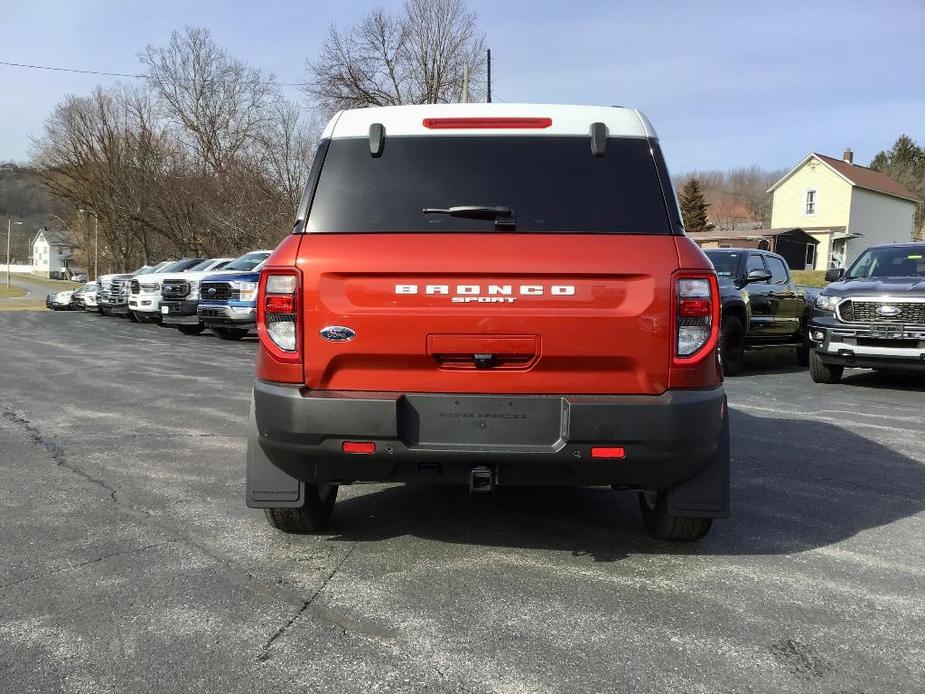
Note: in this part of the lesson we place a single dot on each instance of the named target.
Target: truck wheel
(665, 526)
(230, 333)
(822, 372)
(191, 329)
(319, 503)
(732, 346)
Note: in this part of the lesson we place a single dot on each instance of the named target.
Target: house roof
(856, 175)
(749, 234)
(54, 238)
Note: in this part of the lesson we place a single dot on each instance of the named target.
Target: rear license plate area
(482, 422)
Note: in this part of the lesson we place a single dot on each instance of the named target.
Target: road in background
(129, 562)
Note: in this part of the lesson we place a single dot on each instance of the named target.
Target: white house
(845, 206)
(50, 254)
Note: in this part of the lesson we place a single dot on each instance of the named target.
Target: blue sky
(725, 83)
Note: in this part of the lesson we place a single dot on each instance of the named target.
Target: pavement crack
(264, 654)
(53, 449)
(72, 566)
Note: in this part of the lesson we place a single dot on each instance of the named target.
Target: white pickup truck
(144, 300)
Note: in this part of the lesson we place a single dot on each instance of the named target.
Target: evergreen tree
(904, 162)
(694, 207)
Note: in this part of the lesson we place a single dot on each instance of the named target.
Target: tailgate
(488, 313)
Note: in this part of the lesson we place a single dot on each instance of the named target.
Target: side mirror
(834, 274)
(757, 275)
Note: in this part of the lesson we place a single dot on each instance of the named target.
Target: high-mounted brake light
(696, 309)
(486, 123)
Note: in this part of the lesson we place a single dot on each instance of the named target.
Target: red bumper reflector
(608, 452)
(464, 123)
(359, 447)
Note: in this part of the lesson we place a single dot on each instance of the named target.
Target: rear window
(552, 184)
(725, 263)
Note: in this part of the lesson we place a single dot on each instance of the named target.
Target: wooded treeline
(205, 155)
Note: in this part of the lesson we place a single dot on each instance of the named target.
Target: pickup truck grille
(117, 288)
(216, 291)
(136, 287)
(861, 311)
(175, 289)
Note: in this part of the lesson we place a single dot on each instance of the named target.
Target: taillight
(696, 314)
(486, 123)
(278, 313)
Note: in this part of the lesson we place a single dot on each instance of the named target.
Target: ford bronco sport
(489, 294)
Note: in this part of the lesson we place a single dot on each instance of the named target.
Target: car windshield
(176, 266)
(889, 262)
(545, 184)
(204, 265)
(726, 263)
(247, 262)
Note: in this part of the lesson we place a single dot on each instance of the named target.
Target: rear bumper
(669, 439)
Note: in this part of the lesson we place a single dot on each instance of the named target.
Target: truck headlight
(248, 291)
(827, 303)
(193, 290)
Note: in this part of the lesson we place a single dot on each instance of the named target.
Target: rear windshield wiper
(503, 217)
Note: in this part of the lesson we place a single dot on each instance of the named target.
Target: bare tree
(419, 56)
(204, 157)
(217, 102)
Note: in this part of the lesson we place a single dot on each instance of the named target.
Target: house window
(810, 202)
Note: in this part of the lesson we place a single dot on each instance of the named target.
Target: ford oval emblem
(888, 311)
(338, 333)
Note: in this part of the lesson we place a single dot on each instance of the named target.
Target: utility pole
(488, 100)
(465, 88)
(96, 242)
(9, 228)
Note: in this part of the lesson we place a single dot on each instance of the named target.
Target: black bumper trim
(668, 438)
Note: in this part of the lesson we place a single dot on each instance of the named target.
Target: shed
(796, 246)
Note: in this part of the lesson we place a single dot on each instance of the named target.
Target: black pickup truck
(762, 307)
(872, 316)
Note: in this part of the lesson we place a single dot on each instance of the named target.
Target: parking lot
(129, 562)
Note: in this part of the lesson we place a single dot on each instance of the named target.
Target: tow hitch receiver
(481, 479)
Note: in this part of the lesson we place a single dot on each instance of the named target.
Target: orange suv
(483, 295)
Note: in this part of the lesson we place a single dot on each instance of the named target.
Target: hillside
(22, 198)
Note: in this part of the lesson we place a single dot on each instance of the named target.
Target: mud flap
(266, 485)
(707, 494)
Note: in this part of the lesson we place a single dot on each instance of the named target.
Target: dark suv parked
(762, 307)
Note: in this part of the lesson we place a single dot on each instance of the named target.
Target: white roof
(566, 120)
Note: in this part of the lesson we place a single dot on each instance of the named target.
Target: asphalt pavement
(130, 563)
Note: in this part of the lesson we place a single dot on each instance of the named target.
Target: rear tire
(665, 526)
(230, 333)
(821, 372)
(191, 329)
(732, 346)
(314, 514)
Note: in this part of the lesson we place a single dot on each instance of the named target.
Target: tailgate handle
(484, 351)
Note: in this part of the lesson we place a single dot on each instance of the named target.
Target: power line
(104, 73)
(70, 69)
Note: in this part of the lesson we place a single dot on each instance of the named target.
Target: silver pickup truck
(872, 316)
